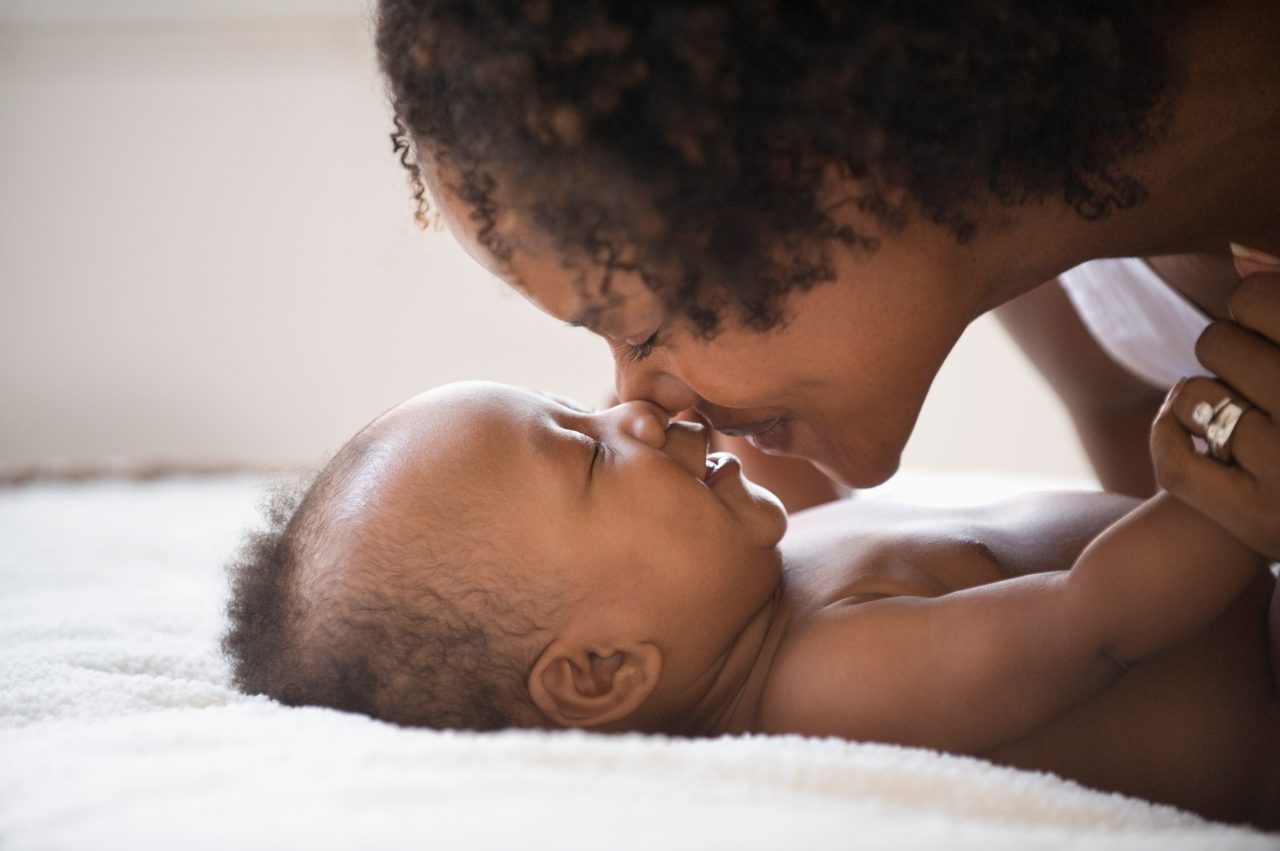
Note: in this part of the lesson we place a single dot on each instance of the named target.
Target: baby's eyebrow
(548, 441)
(541, 437)
(566, 401)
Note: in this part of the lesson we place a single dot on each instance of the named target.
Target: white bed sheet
(118, 729)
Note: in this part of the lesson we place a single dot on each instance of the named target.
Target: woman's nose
(643, 380)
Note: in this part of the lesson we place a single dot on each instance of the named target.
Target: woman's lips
(769, 435)
(774, 436)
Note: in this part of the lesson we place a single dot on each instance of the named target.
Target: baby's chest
(855, 565)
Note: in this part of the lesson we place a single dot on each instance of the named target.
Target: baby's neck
(730, 703)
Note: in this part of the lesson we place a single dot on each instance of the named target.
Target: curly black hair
(399, 635)
(690, 142)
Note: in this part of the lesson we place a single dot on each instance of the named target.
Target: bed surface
(118, 729)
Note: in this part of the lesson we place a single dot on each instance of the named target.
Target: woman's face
(840, 381)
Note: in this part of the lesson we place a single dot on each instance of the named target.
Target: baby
(485, 557)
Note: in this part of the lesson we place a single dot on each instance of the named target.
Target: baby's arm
(1158, 575)
(977, 668)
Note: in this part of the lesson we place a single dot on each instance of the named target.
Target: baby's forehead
(469, 435)
(465, 456)
(466, 417)
(424, 461)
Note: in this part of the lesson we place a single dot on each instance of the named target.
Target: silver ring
(1220, 428)
(1203, 413)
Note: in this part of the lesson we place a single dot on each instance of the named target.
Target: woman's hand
(1242, 491)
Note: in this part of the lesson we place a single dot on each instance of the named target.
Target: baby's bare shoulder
(833, 671)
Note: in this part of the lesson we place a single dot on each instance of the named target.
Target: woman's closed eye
(638, 352)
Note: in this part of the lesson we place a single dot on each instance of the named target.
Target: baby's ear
(577, 686)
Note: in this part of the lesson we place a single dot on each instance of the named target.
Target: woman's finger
(1189, 475)
(1255, 304)
(1241, 492)
(1253, 443)
(1244, 359)
(1215, 490)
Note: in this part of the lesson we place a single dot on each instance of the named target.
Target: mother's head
(781, 213)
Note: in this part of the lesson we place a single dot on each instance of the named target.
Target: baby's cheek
(761, 517)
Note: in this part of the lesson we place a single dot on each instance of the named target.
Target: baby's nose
(651, 424)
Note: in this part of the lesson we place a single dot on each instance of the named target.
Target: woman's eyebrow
(587, 318)
(592, 315)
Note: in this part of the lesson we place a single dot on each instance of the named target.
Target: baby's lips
(1250, 261)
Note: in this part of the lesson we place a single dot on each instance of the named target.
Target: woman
(783, 215)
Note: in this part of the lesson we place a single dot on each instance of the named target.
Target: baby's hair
(692, 142)
(395, 631)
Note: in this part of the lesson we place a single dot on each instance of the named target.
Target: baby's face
(620, 508)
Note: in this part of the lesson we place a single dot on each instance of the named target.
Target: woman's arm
(1112, 409)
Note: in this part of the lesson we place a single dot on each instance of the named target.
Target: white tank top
(1140, 321)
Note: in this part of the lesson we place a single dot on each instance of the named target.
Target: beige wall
(206, 253)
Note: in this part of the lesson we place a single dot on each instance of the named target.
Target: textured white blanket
(118, 730)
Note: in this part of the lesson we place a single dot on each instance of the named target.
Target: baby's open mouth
(718, 464)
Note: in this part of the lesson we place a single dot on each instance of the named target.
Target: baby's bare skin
(1124, 647)
(1197, 726)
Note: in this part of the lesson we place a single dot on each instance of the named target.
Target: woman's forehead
(577, 290)
(604, 313)
(625, 307)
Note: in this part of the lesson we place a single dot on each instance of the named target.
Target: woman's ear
(576, 686)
